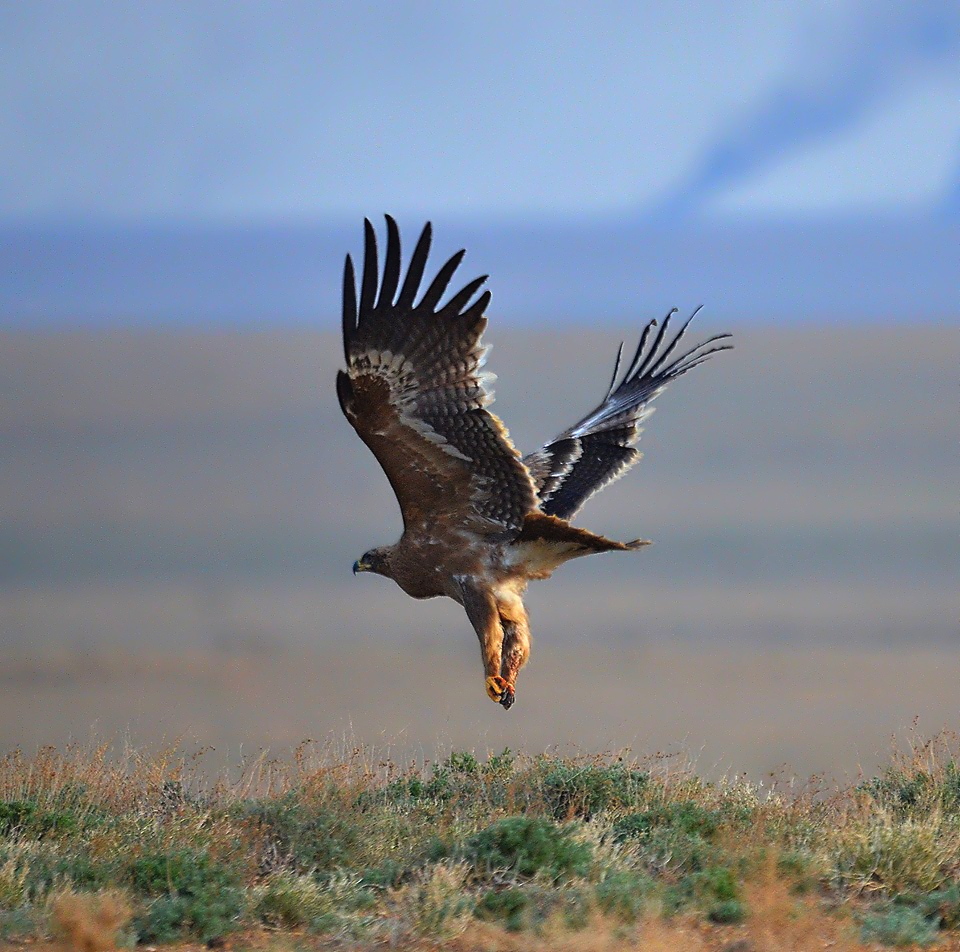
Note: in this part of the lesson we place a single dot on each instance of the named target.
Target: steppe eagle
(479, 520)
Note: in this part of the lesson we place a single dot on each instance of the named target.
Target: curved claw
(496, 687)
(501, 691)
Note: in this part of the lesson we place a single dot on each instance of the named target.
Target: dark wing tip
(476, 310)
(368, 282)
(349, 306)
(431, 297)
(391, 267)
(461, 299)
(418, 263)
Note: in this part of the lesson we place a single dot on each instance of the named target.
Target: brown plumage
(479, 521)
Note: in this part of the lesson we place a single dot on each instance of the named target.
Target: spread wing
(414, 391)
(600, 448)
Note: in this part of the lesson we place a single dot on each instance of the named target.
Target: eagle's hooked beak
(360, 566)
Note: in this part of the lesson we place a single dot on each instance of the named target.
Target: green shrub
(388, 874)
(36, 868)
(899, 926)
(528, 906)
(187, 894)
(460, 776)
(919, 791)
(579, 790)
(674, 853)
(434, 904)
(714, 890)
(942, 906)
(719, 892)
(683, 816)
(304, 834)
(27, 818)
(510, 906)
(624, 894)
(19, 922)
(529, 846)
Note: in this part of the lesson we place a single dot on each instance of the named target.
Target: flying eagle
(479, 520)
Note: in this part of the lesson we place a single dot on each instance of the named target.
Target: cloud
(898, 157)
(225, 112)
(835, 83)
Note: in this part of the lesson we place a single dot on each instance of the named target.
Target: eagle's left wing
(414, 392)
(579, 462)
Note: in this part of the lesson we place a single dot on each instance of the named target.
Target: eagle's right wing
(414, 392)
(569, 469)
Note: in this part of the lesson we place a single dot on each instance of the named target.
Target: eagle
(480, 521)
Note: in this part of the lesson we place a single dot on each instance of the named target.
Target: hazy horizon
(192, 502)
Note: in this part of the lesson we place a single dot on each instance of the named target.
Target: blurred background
(181, 500)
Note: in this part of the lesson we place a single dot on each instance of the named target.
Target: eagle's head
(376, 560)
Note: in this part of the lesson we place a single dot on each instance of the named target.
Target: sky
(232, 112)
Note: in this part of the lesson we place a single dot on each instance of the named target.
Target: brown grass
(88, 923)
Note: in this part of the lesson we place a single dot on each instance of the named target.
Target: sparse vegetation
(531, 850)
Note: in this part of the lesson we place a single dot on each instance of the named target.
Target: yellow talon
(496, 688)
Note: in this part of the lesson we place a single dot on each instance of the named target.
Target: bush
(578, 790)
(942, 906)
(460, 776)
(899, 926)
(624, 894)
(510, 905)
(28, 819)
(292, 900)
(529, 846)
(30, 870)
(683, 816)
(303, 834)
(916, 792)
(896, 857)
(715, 890)
(188, 894)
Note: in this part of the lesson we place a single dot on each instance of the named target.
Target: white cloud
(900, 157)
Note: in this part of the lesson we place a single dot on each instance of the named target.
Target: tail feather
(540, 527)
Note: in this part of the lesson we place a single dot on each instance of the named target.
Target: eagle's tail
(540, 527)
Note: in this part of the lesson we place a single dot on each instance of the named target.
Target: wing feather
(414, 392)
(391, 268)
(418, 262)
(569, 469)
(349, 307)
(368, 286)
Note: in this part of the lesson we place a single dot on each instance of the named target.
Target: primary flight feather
(479, 521)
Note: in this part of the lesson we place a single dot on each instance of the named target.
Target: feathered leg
(481, 608)
(516, 642)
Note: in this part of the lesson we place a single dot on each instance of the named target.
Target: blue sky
(236, 111)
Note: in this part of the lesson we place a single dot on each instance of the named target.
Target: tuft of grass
(293, 900)
(88, 922)
(434, 904)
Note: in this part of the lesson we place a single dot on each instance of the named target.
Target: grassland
(338, 848)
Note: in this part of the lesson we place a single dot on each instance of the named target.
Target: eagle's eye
(366, 563)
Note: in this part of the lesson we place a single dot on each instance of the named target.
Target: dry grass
(337, 846)
(88, 923)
